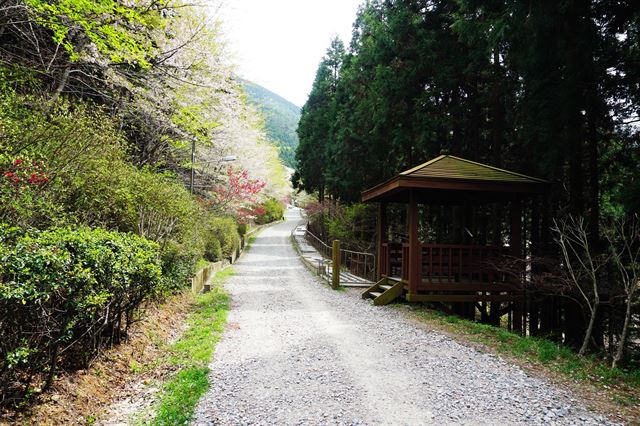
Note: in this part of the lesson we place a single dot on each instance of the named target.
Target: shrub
(223, 230)
(270, 211)
(242, 229)
(64, 293)
(213, 250)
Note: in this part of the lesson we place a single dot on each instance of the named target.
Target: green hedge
(273, 210)
(64, 293)
(221, 238)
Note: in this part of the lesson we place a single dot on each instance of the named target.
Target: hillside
(281, 119)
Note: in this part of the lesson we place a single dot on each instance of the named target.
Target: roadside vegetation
(192, 353)
(620, 385)
(100, 217)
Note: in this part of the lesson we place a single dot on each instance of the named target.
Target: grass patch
(623, 383)
(192, 353)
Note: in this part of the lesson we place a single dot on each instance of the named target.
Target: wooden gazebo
(458, 274)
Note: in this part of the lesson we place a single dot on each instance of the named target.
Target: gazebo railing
(445, 263)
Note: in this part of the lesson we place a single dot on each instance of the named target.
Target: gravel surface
(296, 352)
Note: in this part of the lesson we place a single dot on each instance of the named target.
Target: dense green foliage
(352, 224)
(100, 103)
(65, 292)
(543, 89)
(546, 89)
(269, 211)
(315, 127)
(281, 119)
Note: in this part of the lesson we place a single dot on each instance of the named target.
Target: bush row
(73, 286)
(270, 211)
(64, 293)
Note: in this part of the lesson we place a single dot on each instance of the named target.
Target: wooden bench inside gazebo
(454, 274)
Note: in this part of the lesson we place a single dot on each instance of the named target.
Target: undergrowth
(192, 353)
(625, 382)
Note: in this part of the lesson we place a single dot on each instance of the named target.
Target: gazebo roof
(453, 179)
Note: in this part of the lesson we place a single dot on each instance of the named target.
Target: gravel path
(296, 352)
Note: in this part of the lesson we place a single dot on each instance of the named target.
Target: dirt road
(297, 352)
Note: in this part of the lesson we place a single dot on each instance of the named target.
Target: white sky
(279, 43)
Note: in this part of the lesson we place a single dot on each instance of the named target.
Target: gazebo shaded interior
(458, 274)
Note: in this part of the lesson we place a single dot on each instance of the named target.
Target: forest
(129, 159)
(548, 89)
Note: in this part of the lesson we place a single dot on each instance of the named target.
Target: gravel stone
(296, 352)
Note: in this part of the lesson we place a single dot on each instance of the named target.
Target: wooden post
(515, 248)
(415, 266)
(381, 237)
(335, 278)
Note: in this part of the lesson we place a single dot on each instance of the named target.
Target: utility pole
(193, 163)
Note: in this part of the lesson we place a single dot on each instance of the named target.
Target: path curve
(296, 352)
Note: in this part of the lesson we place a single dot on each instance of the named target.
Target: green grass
(546, 353)
(192, 353)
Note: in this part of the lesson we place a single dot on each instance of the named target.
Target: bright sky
(279, 43)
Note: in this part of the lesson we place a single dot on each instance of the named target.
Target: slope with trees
(280, 119)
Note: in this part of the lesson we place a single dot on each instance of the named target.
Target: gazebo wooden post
(515, 248)
(381, 239)
(415, 267)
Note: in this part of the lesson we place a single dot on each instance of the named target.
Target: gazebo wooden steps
(384, 291)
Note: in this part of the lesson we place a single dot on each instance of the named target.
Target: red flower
(17, 162)
(8, 174)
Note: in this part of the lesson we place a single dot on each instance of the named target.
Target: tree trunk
(623, 337)
(61, 85)
(594, 182)
(587, 335)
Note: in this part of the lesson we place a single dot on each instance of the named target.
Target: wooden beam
(515, 248)
(335, 252)
(408, 182)
(461, 298)
(376, 191)
(415, 264)
(381, 238)
(515, 240)
(467, 287)
(470, 185)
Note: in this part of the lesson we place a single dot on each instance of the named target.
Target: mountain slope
(281, 119)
